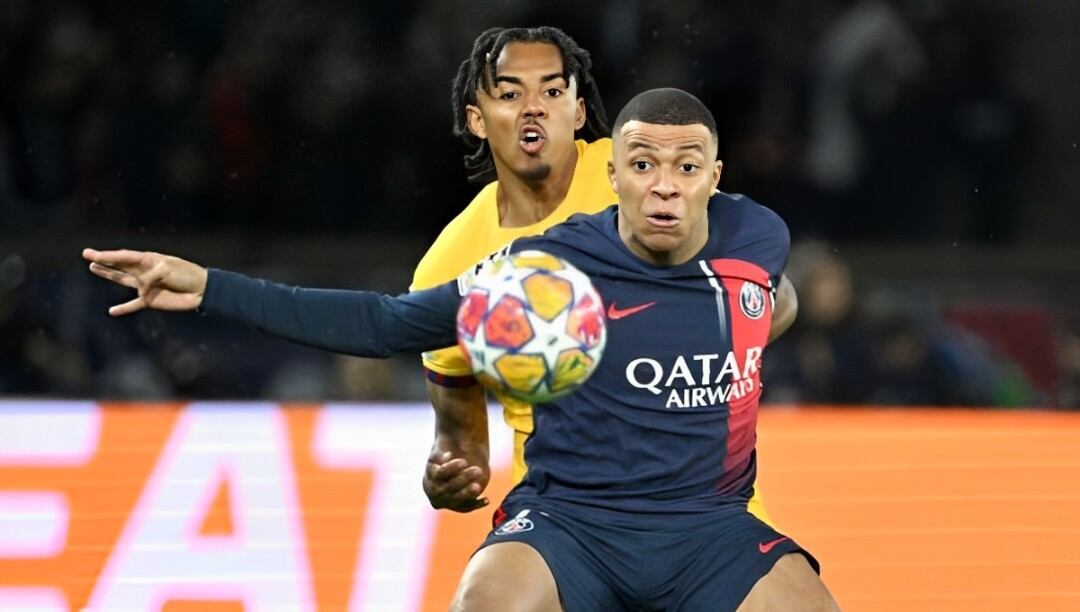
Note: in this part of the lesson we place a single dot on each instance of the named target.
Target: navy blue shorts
(605, 560)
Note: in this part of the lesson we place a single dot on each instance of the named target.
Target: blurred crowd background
(923, 152)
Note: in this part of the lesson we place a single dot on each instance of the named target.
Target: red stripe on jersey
(750, 315)
(740, 269)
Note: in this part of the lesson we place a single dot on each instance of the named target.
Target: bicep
(785, 308)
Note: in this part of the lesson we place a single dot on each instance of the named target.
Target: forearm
(460, 415)
(359, 323)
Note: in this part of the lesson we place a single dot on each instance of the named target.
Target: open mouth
(532, 140)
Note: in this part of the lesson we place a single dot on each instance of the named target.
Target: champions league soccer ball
(532, 326)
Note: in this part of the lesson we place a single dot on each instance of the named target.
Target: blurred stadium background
(923, 152)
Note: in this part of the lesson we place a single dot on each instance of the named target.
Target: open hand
(164, 282)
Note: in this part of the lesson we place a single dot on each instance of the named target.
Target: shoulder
(593, 163)
(431, 270)
(597, 151)
(750, 230)
(746, 218)
(578, 233)
(591, 188)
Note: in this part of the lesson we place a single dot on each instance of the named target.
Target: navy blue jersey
(667, 421)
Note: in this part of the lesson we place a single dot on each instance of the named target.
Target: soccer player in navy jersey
(636, 492)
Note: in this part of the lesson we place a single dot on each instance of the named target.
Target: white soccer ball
(532, 326)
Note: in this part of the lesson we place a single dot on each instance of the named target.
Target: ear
(474, 119)
(611, 176)
(717, 169)
(580, 115)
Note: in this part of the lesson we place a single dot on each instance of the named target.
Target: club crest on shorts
(752, 300)
(518, 524)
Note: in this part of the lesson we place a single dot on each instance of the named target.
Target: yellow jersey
(475, 233)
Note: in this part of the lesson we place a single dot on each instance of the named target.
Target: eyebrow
(641, 144)
(517, 80)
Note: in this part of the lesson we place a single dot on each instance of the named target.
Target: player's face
(664, 176)
(530, 114)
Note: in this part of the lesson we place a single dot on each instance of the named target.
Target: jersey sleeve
(766, 242)
(451, 361)
(362, 323)
(775, 246)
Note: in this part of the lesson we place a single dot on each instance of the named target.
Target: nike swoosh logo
(765, 547)
(618, 313)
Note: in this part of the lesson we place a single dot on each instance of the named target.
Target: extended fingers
(112, 274)
(128, 307)
(121, 257)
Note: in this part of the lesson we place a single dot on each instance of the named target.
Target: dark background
(923, 152)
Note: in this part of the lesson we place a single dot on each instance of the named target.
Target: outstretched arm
(785, 309)
(360, 323)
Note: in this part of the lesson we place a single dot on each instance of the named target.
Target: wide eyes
(686, 168)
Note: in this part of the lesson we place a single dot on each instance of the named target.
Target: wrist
(461, 443)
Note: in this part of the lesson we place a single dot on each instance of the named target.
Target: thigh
(508, 576)
(791, 584)
(575, 575)
(727, 559)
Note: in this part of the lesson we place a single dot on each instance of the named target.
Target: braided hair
(478, 70)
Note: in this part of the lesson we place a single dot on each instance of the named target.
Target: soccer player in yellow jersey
(519, 101)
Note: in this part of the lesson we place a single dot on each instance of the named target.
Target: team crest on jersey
(752, 300)
(467, 278)
(518, 524)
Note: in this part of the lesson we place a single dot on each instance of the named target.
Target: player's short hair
(666, 106)
(478, 70)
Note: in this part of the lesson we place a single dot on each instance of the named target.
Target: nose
(665, 187)
(534, 106)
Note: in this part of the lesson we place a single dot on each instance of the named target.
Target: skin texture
(664, 175)
(457, 469)
(163, 282)
(507, 577)
(529, 92)
(790, 585)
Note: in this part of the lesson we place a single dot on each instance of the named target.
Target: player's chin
(662, 242)
(533, 169)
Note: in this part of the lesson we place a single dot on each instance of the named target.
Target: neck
(522, 202)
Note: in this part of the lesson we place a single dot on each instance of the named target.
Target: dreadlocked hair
(479, 71)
